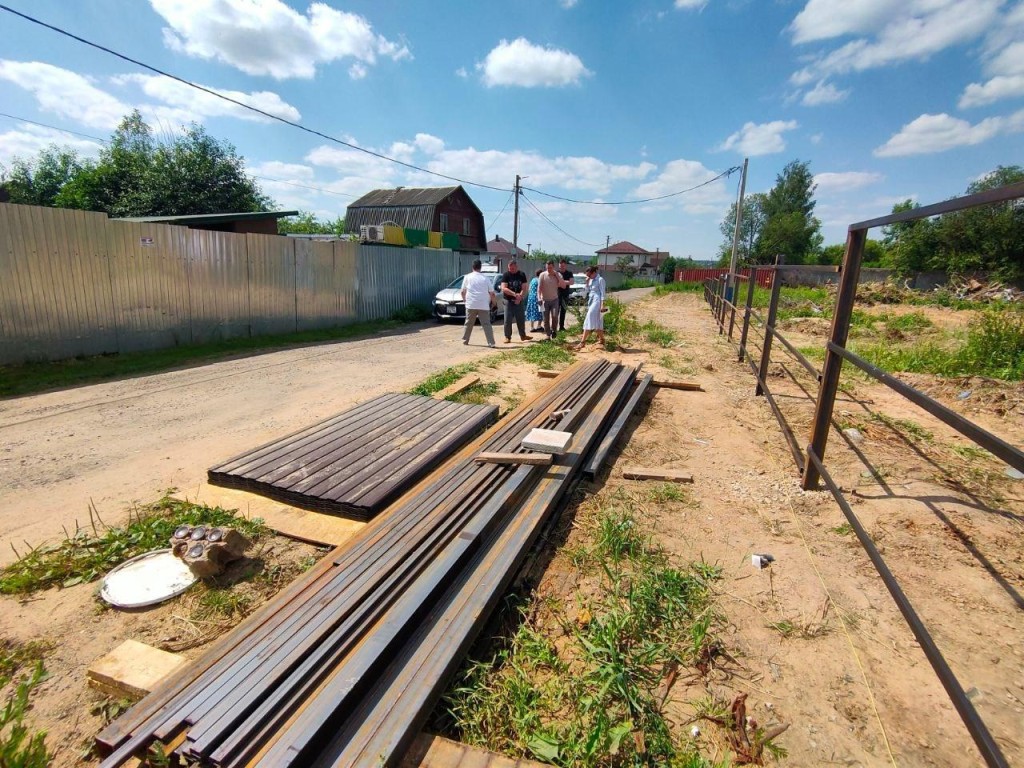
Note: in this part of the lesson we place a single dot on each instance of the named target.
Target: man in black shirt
(514, 287)
(563, 293)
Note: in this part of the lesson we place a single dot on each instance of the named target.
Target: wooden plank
(545, 373)
(429, 751)
(465, 382)
(688, 386)
(668, 475)
(547, 440)
(537, 459)
(132, 669)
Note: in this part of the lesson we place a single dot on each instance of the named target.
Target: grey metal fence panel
(346, 280)
(271, 283)
(218, 285)
(149, 283)
(316, 296)
(392, 278)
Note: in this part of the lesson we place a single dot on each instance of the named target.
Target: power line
(724, 173)
(242, 104)
(549, 221)
(53, 127)
(498, 217)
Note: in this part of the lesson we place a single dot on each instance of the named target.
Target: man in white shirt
(478, 293)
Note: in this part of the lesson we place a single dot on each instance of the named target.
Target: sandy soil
(815, 641)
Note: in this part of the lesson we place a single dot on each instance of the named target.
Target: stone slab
(547, 440)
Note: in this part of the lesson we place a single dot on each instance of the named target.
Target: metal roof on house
(210, 218)
(402, 196)
(624, 247)
(503, 246)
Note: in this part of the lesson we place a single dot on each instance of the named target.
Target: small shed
(435, 209)
(255, 222)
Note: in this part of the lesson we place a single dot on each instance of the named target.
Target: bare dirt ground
(815, 641)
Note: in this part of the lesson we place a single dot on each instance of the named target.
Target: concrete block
(547, 440)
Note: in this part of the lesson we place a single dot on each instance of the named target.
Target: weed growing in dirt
(665, 492)
(14, 656)
(657, 334)
(544, 355)
(477, 394)
(411, 313)
(594, 697)
(19, 746)
(664, 290)
(671, 363)
(442, 379)
(844, 529)
(89, 553)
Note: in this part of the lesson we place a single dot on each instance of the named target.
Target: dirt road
(129, 440)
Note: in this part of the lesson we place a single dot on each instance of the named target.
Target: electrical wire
(53, 127)
(549, 221)
(322, 135)
(242, 104)
(497, 218)
(726, 173)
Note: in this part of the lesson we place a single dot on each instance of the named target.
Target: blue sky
(600, 101)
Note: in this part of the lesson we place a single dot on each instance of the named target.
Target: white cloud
(688, 4)
(462, 72)
(937, 133)
(200, 104)
(823, 93)
(832, 183)
(26, 140)
(890, 32)
(521, 63)
(567, 4)
(269, 38)
(65, 93)
(759, 139)
(684, 174)
(429, 144)
(351, 162)
(1007, 69)
(816, 138)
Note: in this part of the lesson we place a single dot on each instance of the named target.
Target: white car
(578, 291)
(449, 304)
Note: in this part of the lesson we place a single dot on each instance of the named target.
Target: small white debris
(694, 732)
(854, 435)
(1014, 474)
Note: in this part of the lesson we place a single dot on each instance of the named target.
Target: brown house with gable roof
(435, 209)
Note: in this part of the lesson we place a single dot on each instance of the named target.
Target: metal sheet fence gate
(78, 283)
(810, 460)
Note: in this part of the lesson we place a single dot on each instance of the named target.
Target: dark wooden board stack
(357, 462)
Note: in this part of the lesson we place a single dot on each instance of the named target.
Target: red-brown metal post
(751, 283)
(766, 350)
(849, 276)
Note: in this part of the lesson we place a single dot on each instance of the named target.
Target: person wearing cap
(478, 294)
(514, 286)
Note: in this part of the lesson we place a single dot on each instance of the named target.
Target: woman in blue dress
(593, 321)
(533, 314)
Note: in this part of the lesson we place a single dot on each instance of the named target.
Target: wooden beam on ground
(132, 669)
(429, 751)
(688, 386)
(545, 373)
(668, 475)
(536, 459)
(465, 382)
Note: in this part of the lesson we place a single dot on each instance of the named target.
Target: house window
(444, 222)
(465, 226)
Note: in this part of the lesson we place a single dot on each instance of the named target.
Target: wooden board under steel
(355, 463)
(668, 475)
(535, 459)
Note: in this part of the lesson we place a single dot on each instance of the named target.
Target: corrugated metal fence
(700, 274)
(77, 283)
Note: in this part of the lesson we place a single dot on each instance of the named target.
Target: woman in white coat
(593, 321)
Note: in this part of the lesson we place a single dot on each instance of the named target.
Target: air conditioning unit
(371, 233)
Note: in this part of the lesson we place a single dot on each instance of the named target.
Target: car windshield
(579, 280)
(456, 283)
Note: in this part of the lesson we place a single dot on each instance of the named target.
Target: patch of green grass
(544, 355)
(969, 452)
(445, 378)
(665, 492)
(635, 282)
(912, 322)
(20, 747)
(17, 380)
(905, 427)
(667, 288)
(477, 394)
(14, 656)
(672, 363)
(411, 313)
(583, 701)
(845, 529)
(89, 553)
(659, 334)
(222, 603)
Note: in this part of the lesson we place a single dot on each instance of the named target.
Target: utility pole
(515, 225)
(731, 285)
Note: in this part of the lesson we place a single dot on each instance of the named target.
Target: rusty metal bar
(982, 738)
(608, 441)
(990, 442)
(845, 299)
(989, 196)
(787, 431)
(766, 351)
(751, 284)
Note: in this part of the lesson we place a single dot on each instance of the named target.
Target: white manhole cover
(146, 580)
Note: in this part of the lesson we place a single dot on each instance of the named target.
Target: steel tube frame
(766, 351)
(982, 738)
(751, 283)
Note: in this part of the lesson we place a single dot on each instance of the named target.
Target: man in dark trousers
(564, 293)
(514, 287)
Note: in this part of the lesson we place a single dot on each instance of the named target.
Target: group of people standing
(543, 301)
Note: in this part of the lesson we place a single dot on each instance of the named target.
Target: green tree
(789, 228)
(307, 223)
(911, 245)
(668, 268)
(39, 181)
(625, 265)
(751, 224)
(875, 254)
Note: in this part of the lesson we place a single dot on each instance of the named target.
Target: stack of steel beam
(354, 463)
(344, 666)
